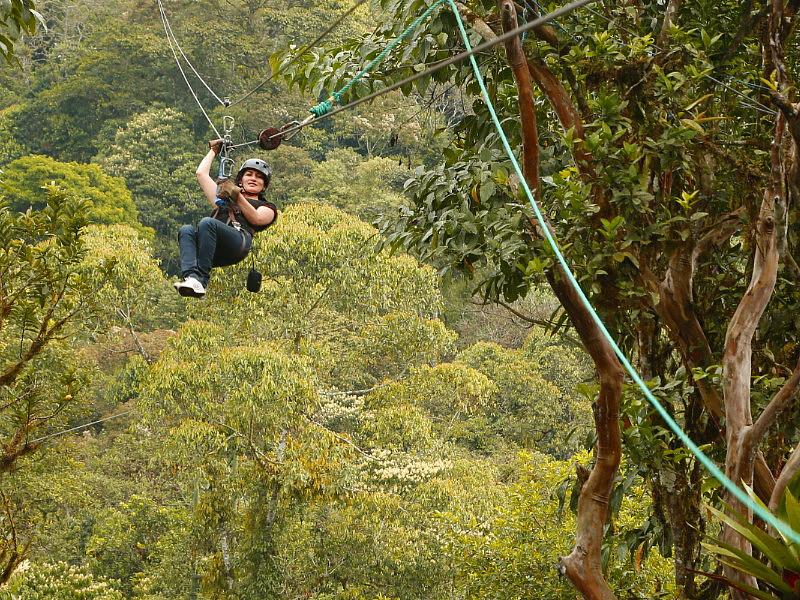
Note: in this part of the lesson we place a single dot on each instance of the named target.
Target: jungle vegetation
(416, 404)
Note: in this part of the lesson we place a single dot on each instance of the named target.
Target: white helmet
(257, 165)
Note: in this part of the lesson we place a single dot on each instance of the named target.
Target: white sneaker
(190, 287)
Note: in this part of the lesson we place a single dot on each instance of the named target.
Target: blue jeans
(211, 244)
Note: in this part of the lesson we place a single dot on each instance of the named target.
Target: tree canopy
(417, 404)
(107, 198)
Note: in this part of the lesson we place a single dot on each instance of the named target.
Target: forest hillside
(419, 402)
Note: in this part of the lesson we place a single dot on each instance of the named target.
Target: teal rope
(740, 495)
(323, 108)
(326, 106)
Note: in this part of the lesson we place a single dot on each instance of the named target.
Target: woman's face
(252, 182)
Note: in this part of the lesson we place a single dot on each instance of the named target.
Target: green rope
(326, 106)
(323, 108)
(740, 495)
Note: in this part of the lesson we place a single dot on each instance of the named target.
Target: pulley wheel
(269, 139)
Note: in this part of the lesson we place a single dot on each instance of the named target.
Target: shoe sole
(188, 292)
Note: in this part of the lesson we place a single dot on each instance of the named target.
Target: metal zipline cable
(172, 39)
(171, 34)
(566, 9)
(180, 68)
(79, 427)
(302, 51)
(710, 466)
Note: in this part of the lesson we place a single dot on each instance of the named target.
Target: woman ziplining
(226, 237)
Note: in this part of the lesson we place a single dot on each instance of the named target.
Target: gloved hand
(216, 145)
(228, 190)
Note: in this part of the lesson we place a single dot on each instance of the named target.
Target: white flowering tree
(58, 581)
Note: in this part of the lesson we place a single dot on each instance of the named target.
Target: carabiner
(296, 125)
(225, 161)
(225, 167)
(227, 124)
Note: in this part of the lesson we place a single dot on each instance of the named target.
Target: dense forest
(417, 404)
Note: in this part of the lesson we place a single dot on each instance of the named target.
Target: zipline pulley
(271, 137)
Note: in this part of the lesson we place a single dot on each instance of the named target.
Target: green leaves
(155, 154)
(781, 557)
(17, 17)
(104, 198)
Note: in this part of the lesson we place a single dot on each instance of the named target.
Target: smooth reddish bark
(583, 564)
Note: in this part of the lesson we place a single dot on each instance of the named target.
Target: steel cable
(302, 51)
(566, 9)
(180, 68)
(183, 54)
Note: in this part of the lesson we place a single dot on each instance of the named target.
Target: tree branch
(737, 356)
(565, 110)
(16, 448)
(44, 335)
(669, 18)
(554, 91)
(545, 32)
(527, 108)
(476, 22)
(788, 472)
(583, 565)
(790, 111)
(747, 24)
(126, 316)
(777, 405)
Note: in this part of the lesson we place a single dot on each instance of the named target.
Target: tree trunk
(737, 359)
(583, 564)
(687, 525)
